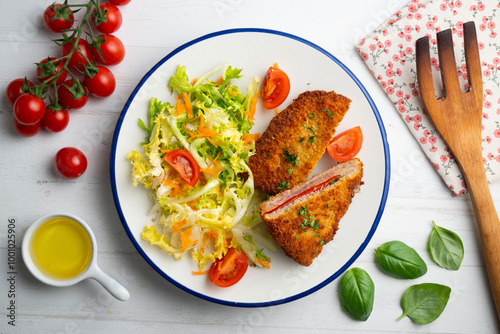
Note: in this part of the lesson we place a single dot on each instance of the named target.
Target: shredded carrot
(179, 107)
(195, 80)
(251, 111)
(233, 93)
(219, 81)
(204, 272)
(276, 65)
(187, 105)
(250, 137)
(264, 263)
(185, 240)
(276, 111)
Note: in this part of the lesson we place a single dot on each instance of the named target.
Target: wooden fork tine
(424, 71)
(448, 64)
(473, 62)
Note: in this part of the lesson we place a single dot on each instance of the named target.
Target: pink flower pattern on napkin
(389, 52)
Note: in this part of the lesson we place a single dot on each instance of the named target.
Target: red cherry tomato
(44, 75)
(29, 109)
(27, 130)
(59, 24)
(113, 18)
(102, 84)
(112, 50)
(66, 99)
(15, 89)
(78, 61)
(346, 145)
(275, 87)
(184, 164)
(55, 120)
(119, 2)
(70, 162)
(228, 270)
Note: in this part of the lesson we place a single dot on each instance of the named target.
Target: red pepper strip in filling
(319, 186)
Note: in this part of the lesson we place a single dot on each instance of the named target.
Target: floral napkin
(389, 52)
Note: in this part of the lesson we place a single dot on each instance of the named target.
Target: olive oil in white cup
(60, 250)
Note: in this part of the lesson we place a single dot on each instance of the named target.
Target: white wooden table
(151, 29)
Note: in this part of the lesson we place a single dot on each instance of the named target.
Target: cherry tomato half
(15, 89)
(66, 99)
(29, 109)
(102, 84)
(77, 59)
(55, 120)
(113, 19)
(60, 24)
(112, 50)
(228, 270)
(184, 164)
(346, 145)
(275, 87)
(27, 130)
(57, 66)
(70, 162)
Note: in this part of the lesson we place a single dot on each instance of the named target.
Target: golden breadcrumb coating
(295, 140)
(304, 227)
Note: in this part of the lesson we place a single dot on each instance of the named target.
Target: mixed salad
(194, 162)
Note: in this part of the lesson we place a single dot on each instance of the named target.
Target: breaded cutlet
(295, 140)
(302, 222)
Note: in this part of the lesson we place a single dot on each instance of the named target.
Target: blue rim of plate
(377, 217)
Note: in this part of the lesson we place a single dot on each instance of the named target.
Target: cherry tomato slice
(346, 145)
(184, 164)
(275, 87)
(228, 270)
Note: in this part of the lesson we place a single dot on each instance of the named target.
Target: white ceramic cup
(92, 271)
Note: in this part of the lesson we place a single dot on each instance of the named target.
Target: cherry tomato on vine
(55, 120)
(47, 71)
(119, 2)
(70, 162)
(65, 96)
(78, 61)
(228, 270)
(60, 24)
(275, 87)
(346, 145)
(184, 164)
(29, 109)
(113, 18)
(102, 84)
(27, 130)
(15, 89)
(112, 50)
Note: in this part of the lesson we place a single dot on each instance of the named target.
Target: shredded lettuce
(209, 120)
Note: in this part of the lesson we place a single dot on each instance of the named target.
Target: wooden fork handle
(488, 227)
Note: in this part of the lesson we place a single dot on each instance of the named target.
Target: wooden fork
(457, 117)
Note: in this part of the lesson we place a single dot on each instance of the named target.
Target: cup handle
(114, 288)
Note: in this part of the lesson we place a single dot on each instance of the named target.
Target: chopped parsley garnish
(335, 179)
(311, 129)
(330, 114)
(326, 109)
(291, 158)
(308, 220)
(301, 140)
(321, 242)
(289, 170)
(283, 184)
(311, 139)
(312, 115)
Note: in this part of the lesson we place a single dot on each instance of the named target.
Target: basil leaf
(357, 293)
(446, 248)
(425, 302)
(399, 260)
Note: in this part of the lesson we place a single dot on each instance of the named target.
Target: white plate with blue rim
(253, 51)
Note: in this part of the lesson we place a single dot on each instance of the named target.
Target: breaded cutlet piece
(302, 222)
(295, 140)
